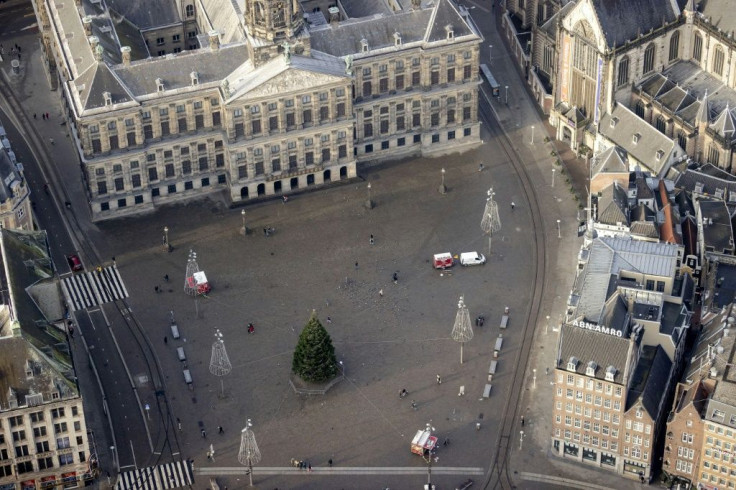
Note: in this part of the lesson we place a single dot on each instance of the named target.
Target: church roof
(145, 14)
(614, 159)
(224, 16)
(719, 13)
(724, 124)
(625, 20)
(364, 8)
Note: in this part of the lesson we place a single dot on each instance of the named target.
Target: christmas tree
(314, 356)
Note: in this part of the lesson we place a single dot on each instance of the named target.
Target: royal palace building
(255, 97)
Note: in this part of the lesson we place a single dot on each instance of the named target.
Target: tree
(314, 356)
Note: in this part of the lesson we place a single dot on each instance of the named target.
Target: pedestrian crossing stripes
(160, 477)
(88, 289)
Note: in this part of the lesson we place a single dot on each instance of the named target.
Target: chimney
(94, 41)
(87, 21)
(214, 40)
(334, 15)
(125, 52)
(99, 51)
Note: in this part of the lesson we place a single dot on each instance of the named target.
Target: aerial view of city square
(367, 244)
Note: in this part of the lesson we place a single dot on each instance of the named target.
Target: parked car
(75, 264)
(472, 258)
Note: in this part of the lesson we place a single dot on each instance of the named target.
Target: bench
(492, 370)
(180, 353)
(487, 391)
(504, 321)
(174, 331)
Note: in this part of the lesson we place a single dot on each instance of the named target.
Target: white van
(472, 258)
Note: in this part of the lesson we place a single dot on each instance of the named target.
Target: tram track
(499, 475)
(167, 433)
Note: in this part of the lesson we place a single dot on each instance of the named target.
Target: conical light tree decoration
(249, 453)
(219, 362)
(462, 331)
(189, 286)
(491, 222)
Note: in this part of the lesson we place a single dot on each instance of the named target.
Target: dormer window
(108, 98)
(660, 154)
(397, 39)
(610, 373)
(572, 364)
(699, 187)
(364, 45)
(450, 32)
(590, 369)
(194, 76)
(160, 84)
(614, 121)
(635, 138)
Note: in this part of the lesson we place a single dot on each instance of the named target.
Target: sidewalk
(531, 461)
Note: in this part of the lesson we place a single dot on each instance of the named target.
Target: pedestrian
(51, 140)
(522, 421)
(356, 266)
(71, 332)
(480, 167)
(439, 380)
(155, 289)
(329, 462)
(477, 426)
(34, 115)
(43, 116)
(114, 263)
(178, 423)
(396, 277)
(251, 328)
(166, 277)
(403, 393)
(18, 55)
(166, 340)
(413, 404)
(546, 371)
(99, 269)
(329, 320)
(47, 115)
(372, 241)
(204, 434)
(19, 49)
(209, 454)
(309, 467)
(512, 205)
(380, 293)
(220, 430)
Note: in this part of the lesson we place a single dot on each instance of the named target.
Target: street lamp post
(490, 54)
(534, 378)
(249, 453)
(559, 235)
(243, 230)
(443, 189)
(114, 458)
(462, 331)
(532, 141)
(167, 246)
(553, 176)
(507, 95)
(369, 203)
(521, 439)
(491, 222)
(428, 459)
(546, 327)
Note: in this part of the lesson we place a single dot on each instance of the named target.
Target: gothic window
(698, 47)
(713, 154)
(623, 71)
(648, 59)
(718, 61)
(278, 15)
(660, 124)
(639, 109)
(260, 13)
(674, 46)
(682, 140)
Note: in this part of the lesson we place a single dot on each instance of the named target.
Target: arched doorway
(277, 186)
(244, 192)
(310, 179)
(343, 172)
(261, 189)
(327, 175)
(294, 183)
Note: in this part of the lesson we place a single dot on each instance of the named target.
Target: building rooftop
(717, 234)
(602, 349)
(639, 139)
(613, 205)
(650, 377)
(626, 20)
